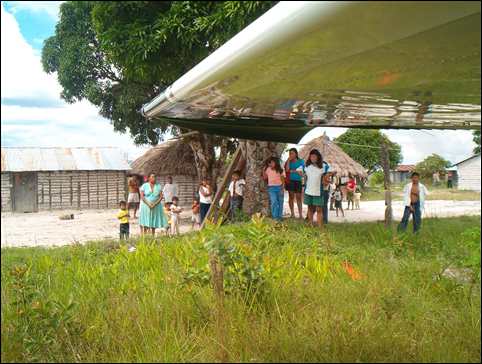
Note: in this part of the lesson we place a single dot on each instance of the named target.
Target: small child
(123, 216)
(175, 215)
(357, 197)
(196, 215)
(236, 193)
(167, 212)
(338, 201)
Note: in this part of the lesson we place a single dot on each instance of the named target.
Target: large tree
(477, 141)
(363, 145)
(120, 54)
(433, 163)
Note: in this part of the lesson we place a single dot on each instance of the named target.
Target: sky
(33, 114)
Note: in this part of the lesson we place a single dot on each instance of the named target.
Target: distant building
(468, 173)
(401, 173)
(36, 179)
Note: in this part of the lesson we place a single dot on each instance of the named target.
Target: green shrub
(377, 179)
(351, 293)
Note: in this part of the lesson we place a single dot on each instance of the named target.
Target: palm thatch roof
(339, 161)
(174, 157)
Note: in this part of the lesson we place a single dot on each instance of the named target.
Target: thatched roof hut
(339, 161)
(172, 158)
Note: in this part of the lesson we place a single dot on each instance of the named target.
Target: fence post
(386, 184)
(78, 195)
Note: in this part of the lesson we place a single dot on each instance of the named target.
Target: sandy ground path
(46, 229)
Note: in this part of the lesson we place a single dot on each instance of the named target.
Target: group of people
(310, 182)
(158, 207)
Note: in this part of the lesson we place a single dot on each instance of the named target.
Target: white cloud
(50, 8)
(22, 75)
(23, 84)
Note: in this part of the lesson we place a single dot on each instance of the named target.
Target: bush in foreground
(352, 293)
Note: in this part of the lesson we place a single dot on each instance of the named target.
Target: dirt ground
(46, 229)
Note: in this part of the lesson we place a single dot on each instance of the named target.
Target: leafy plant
(471, 240)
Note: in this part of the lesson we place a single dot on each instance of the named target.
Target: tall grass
(289, 296)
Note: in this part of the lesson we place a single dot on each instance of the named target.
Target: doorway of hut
(25, 192)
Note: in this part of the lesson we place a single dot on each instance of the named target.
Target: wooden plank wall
(188, 186)
(6, 191)
(81, 189)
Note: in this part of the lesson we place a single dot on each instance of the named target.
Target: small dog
(66, 217)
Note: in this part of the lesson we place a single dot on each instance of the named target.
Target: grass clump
(355, 292)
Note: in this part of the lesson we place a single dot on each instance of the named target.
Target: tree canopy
(477, 141)
(431, 164)
(120, 54)
(365, 148)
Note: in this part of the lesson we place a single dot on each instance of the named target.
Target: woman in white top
(313, 197)
(205, 197)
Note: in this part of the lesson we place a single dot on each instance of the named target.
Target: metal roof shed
(35, 178)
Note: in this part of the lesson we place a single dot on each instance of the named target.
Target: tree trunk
(256, 153)
(202, 146)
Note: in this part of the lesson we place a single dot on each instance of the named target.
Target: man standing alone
(414, 195)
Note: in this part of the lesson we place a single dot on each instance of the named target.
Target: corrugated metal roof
(405, 168)
(23, 159)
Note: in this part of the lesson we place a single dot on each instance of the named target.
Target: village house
(401, 173)
(468, 173)
(35, 179)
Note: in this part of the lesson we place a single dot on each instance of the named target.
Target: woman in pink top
(274, 174)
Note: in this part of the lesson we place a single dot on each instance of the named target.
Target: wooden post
(78, 195)
(117, 189)
(212, 212)
(124, 176)
(217, 276)
(50, 191)
(386, 184)
(97, 183)
(71, 192)
(88, 189)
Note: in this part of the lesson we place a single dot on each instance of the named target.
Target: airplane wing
(407, 64)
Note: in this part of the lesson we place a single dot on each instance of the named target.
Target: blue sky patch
(32, 102)
(35, 26)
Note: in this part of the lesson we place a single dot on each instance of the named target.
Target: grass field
(354, 293)
(438, 193)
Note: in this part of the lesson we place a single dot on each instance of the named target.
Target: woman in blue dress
(151, 214)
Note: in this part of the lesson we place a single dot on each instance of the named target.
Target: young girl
(338, 201)
(205, 197)
(294, 169)
(196, 216)
(175, 215)
(273, 173)
(357, 197)
(313, 197)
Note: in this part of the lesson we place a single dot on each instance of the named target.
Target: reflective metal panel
(343, 64)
